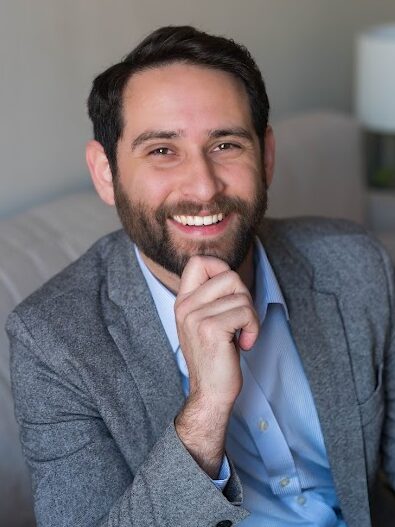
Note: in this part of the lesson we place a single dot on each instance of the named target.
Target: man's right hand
(212, 306)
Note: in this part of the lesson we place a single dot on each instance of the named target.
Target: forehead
(184, 96)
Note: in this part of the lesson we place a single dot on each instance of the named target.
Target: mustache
(223, 204)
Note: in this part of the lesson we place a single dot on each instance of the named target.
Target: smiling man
(190, 175)
(204, 366)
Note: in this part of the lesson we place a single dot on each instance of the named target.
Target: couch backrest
(319, 168)
(33, 247)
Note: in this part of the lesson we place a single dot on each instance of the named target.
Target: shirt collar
(267, 291)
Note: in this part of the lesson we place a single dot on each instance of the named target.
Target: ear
(100, 171)
(269, 155)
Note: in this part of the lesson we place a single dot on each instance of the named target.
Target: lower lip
(203, 230)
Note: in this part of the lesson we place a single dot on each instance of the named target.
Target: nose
(201, 181)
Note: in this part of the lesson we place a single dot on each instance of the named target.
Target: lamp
(375, 101)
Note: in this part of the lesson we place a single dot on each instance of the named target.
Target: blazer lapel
(136, 329)
(318, 331)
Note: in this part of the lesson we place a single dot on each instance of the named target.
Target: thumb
(199, 270)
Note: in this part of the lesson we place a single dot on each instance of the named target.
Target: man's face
(190, 174)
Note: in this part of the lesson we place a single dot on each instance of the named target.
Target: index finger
(198, 271)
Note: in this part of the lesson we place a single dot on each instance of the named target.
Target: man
(184, 372)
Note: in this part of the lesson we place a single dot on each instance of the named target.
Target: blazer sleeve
(388, 437)
(79, 476)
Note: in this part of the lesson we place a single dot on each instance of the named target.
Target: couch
(319, 172)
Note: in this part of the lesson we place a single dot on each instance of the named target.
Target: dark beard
(149, 230)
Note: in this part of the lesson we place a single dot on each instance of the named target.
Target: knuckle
(232, 275)
(189, 320)
(179, 311)
(246, 310)
(182, 307)
(244, 298)
(236, 281)
(250, 315)
(205, 325)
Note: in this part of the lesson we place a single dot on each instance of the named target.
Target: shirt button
(301, 500)
(263, 425)
(224, 523)
(284, 482)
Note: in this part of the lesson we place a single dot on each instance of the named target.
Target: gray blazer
(96, 386)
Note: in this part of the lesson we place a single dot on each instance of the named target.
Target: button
(263, 425)
(284, 482)
(224, 523)
(301, 500)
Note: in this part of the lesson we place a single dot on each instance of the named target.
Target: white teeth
(199, 220)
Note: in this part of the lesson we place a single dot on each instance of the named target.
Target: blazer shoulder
(333, 248)
(299, 229)
(304, 232)
(77, 284)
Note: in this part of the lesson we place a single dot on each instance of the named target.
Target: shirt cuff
(223, 476)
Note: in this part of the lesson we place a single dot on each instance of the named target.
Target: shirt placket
(268, 437)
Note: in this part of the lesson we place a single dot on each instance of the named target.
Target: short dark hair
(164, 46)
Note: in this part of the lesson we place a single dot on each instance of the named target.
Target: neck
(172, 281)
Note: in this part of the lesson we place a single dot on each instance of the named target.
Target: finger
(247, 339)
(221, 285)
(222, 305)
(242, 318)
(198, 270)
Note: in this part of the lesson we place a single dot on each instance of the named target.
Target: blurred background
(51, 50)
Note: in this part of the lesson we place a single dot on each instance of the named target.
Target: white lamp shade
(375, 79)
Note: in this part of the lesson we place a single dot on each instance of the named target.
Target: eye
(161, 151)
(226, 146)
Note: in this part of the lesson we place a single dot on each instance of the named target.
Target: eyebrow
(236, 132)
(155, 134)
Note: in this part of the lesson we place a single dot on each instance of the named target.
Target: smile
(199, 220)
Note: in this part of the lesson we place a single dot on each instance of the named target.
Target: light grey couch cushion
(33, 247)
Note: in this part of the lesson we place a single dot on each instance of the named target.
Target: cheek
(244, 181)
(146, 186)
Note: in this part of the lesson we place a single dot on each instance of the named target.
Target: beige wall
(51, 49)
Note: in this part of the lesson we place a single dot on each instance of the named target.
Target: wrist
(202, 429)
(210, 404)
(203, 419)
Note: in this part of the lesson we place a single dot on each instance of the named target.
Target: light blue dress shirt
(274, 436)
